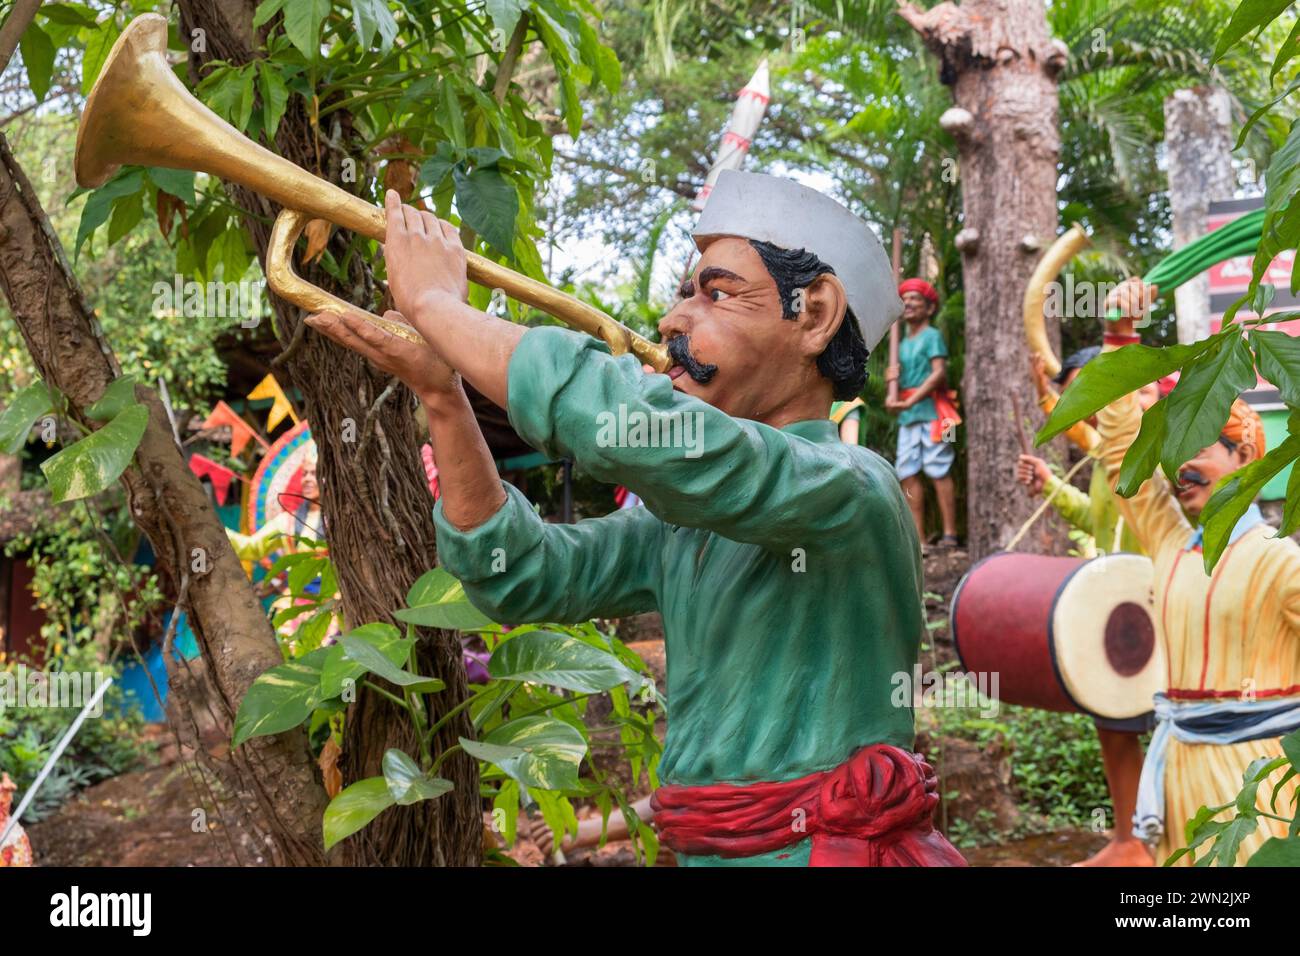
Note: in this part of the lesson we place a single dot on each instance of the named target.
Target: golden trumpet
(139, 113)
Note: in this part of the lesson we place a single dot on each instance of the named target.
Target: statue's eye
(717, 295)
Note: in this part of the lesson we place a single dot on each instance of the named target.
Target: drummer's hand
(425, 258)
(417, 365)
(1133, 298)
(1032, 472)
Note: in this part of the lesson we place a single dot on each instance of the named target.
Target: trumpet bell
(140, 113)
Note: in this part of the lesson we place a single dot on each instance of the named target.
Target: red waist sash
(875, 809)
(945, 406)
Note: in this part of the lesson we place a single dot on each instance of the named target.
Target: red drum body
(1062, 634)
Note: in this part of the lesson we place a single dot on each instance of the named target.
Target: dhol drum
(1062, 634)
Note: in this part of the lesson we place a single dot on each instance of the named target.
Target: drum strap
(1196, 722)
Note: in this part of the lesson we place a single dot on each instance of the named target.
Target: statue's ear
(824, 308)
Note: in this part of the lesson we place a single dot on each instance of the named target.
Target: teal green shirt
(915, 353)
(785, 564)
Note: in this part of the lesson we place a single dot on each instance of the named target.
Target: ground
(147, 817)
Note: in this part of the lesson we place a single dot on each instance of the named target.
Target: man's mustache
(1190, 476)
(679, 350)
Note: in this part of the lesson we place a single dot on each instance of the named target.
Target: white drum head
(1105, 639)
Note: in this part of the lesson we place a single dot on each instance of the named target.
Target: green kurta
(1096, 512)
(785, 564)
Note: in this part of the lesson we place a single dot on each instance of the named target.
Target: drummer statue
(784, 561)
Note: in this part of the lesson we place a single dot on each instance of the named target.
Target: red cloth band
(875, 809)
(1115, 338)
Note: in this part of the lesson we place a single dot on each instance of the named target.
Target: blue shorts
(917, 452)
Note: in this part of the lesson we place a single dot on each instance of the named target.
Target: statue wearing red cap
(927, 416)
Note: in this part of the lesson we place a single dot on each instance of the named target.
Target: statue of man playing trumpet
(785, 563)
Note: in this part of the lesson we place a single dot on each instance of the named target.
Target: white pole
(58, 752)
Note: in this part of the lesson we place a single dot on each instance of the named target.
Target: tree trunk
(1002, 65)
(1198, 145)
(377, 506)
(275, 775)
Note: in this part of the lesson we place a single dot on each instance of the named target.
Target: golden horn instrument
(139, 113)
(1049, 267)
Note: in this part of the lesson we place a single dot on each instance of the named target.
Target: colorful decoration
(219, 475)
(280, 407)
(240, 432)
(278, 477)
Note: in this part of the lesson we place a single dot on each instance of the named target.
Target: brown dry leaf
(167, 206)
(318, 235)
(401, 174)
(329, 767)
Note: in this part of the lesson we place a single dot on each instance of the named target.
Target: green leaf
(505, 14)
(1200, 402)
(100, 203)
(1278, 355)
(1113, 374)
(1249, 15)
(1234, 495)
(543, 657)
(120, 394)
(1144, 454)
(406, 784)
(98, 45)
(1277, 851)
(302, 23)
(95, 462)
(280, 699)
(1289, 49)
(127, 213)
(451, 114)
(266, 10)
(177, 182)
(69, 15)
(1225, 847)
(275, 96)
(22, 412)
(38, 59)
(489, 203)
(540, 752)
(338, 668)
(370, 657)
(354, 807)
(438, 600)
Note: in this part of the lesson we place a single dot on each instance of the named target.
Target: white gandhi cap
(786, 214)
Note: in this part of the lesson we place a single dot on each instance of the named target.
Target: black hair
(844, 360)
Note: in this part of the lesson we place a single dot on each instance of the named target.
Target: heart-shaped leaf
(406, 784)
(338, 668)
(438, 600)
(558, 660)
(95, 462)
(354, 807)
(20, 415)
(370, 657)
(281, 698)
(541, 752)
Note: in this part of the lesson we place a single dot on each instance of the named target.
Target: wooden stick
(1025, 447)
(891, 391)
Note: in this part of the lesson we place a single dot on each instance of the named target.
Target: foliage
(1223, 837)
(1055, 758)
(104, 746)
(1215, 370)
(531, 736)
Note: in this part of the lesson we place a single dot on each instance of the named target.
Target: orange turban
(1245, 427)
